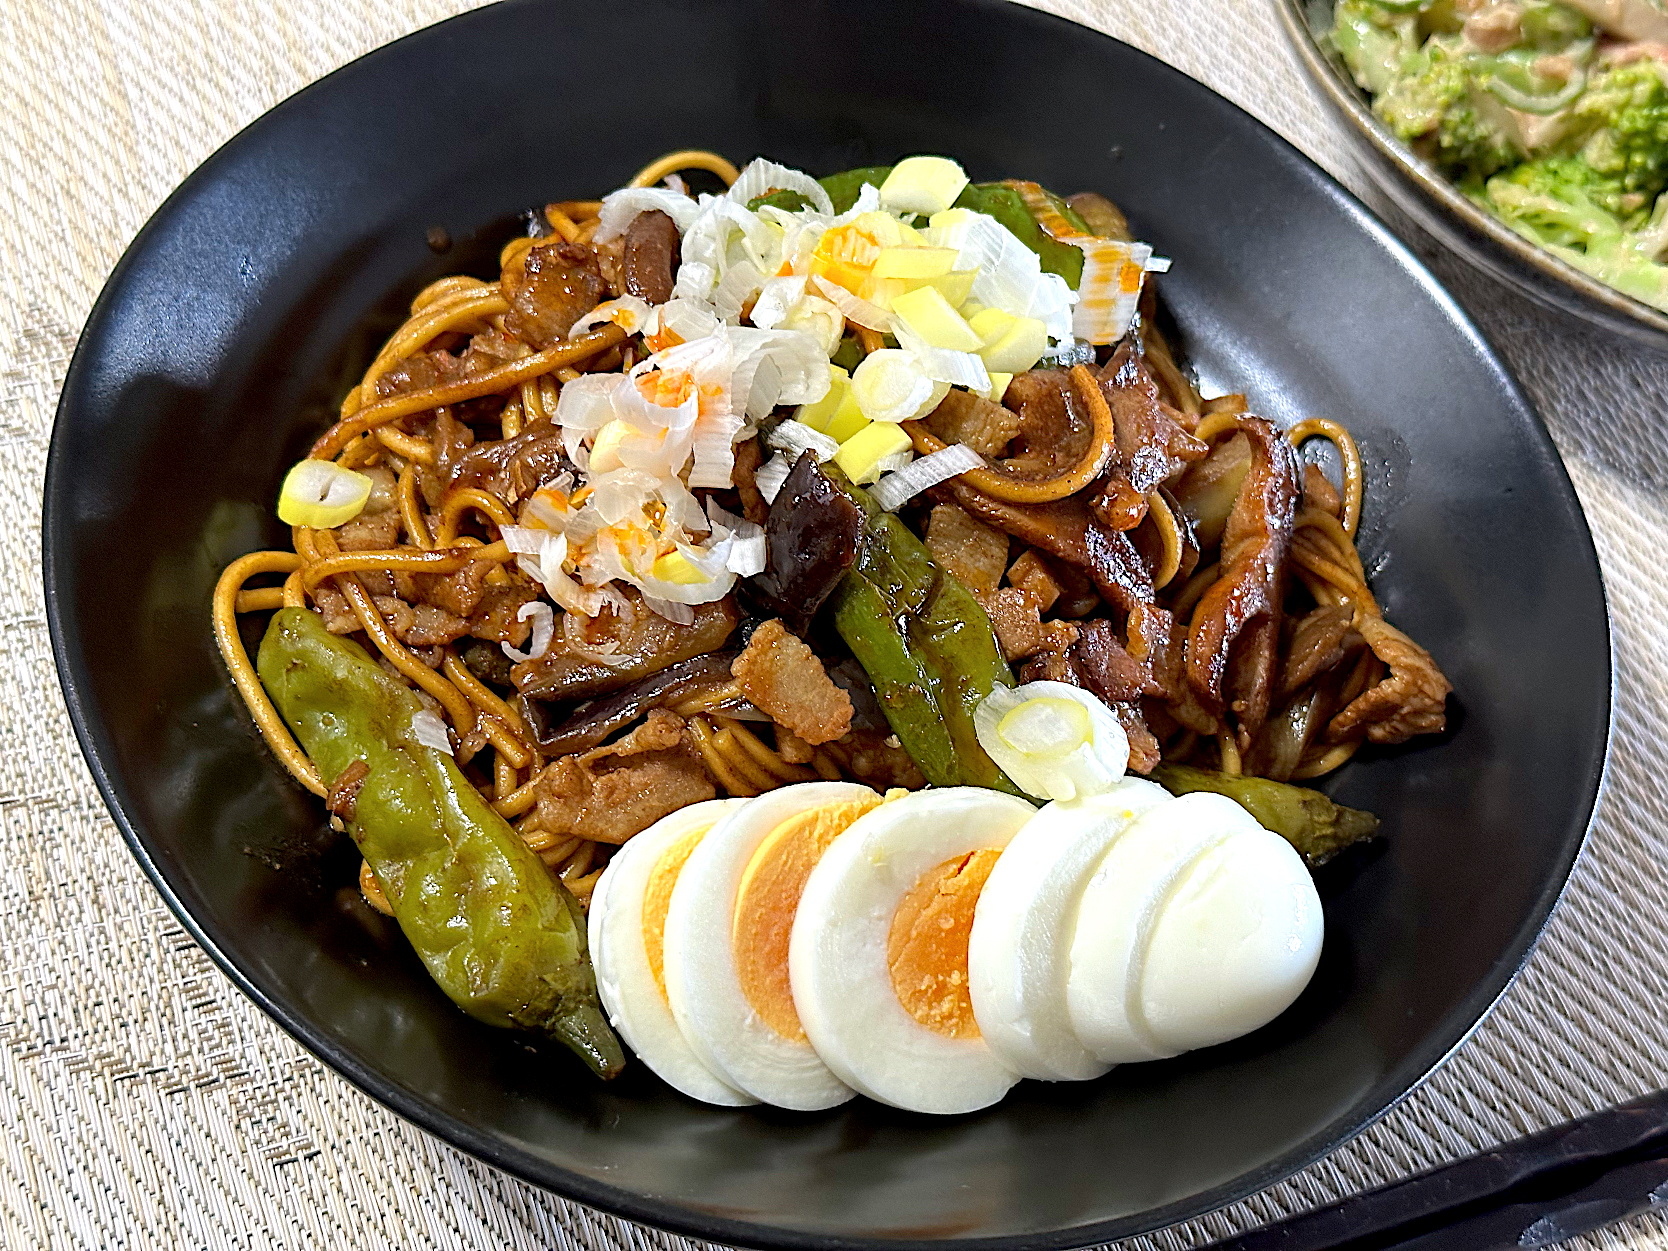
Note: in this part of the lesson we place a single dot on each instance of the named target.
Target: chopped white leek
(429, 730)
(794, 437)
(620, 209)
(770, 476)
(544, 630)
(1054, 740)
(896, 489)
(891, 385)
(321, 495)
(922, 184)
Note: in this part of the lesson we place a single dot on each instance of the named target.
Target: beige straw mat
(145, 1103)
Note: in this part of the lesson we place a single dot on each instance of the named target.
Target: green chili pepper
(500, 934)
(788, 201)
(1008, 207)
(1306, 819)
(844, 187)
(925, 643)
(849, 355)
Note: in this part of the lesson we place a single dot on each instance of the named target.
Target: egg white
(1019, 954)
(842, 985)
(1118, 911)
(703, 982)
(626, 983)
(1238, 940)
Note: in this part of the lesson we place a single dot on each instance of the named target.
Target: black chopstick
(1530, 1192)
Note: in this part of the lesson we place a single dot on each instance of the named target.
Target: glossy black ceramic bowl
(1421, 192)
(260, 290)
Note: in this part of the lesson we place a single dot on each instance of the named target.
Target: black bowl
(260, 290)
(1421, 192)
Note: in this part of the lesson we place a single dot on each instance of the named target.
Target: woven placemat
(146, 1103)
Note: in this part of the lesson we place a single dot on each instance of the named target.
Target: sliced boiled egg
(727, 935)
(1197, 926)
(879, 951)
(627, 928)
(1019, 954)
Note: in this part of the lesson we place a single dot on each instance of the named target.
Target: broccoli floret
(1559, 202)
(1546, 203)
(1432, 106)
(1624, 113)
(1374, 41)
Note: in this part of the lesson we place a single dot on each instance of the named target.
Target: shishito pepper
(1306, 819)
(500, 934)
(925, 643)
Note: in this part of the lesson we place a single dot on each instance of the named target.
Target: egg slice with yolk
(878, 956)
(626, 929)
(1018, 957)
(727, 935)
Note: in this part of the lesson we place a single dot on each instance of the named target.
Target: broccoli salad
(1553, 117)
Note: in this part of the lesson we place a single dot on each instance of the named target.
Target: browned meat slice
(1318, 492)
(636, 644)
(613, 792)
(783, 678)
(496, 615)
(813, 535)
(649, 256)
(1067, 531)
(1320, 639)
(749, 456)
(555, 286)
(1411, 700)
(963, 417)
(1158, 642)
(1144, 751)
(1154, 442)
(1238, 618)
(511, 468)
(458, 593)
(430, 626)
(1020, 629)
(1031, 573)
(1054, 425)
(1107, 668)
(344, 791)
(975, 553)
(378, 526)
(876, 759)
(421, 371)
(490, 349)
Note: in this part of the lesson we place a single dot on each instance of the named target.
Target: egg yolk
(926, 949)
(657, 900)
(769, 896)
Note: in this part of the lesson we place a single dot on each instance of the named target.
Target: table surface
(146, 1103)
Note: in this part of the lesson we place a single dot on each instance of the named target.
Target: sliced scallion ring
(322, 495)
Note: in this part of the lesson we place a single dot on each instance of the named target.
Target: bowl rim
(1648, 323)
(678, 1218)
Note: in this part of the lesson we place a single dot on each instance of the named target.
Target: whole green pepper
(925, 643)
(500, 934)
(1306, 819)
